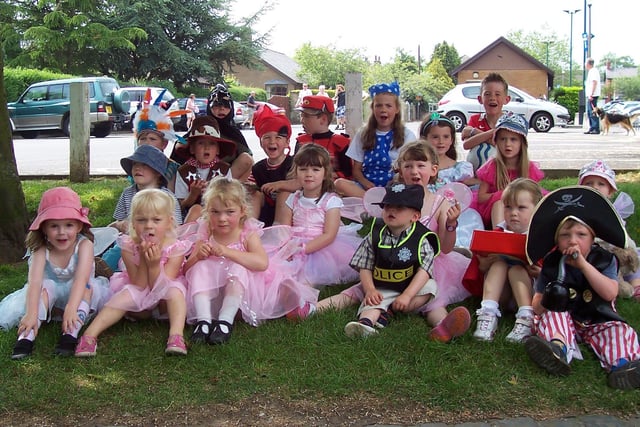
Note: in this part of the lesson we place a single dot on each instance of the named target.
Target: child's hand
(401, 303)
(452, 215)
(202, 250)
(27, 323)
(197, 187)
(484, 262)
(218, 250)
(270, 187)
(373, 298)
(152, 251)
(534, 270)
(70, 321)
(574, 257)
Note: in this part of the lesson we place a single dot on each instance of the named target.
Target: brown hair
(419, 151)
(36, 239)
(494, 78)
(510, 193)
(369, 131)
(316, 156)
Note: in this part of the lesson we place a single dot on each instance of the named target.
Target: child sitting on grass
(575, 294)
(395, 260)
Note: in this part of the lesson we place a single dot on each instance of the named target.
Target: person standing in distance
(592, 90)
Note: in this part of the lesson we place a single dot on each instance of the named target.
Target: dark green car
(45, 106)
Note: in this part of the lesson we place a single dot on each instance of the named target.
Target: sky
(379, 27)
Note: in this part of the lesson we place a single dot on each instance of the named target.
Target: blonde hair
(518, 185)
(151, 200)
(229, 192)
(36, 239)
(502, 173)
(420, 151)
(369, 130)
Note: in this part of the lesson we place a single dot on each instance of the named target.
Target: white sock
(525, 312)
(83, 310)
(230, 306)
(488, 306)
(42, 315)
(202, 305)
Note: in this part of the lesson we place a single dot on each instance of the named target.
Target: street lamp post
(547, 43)
(571, 13)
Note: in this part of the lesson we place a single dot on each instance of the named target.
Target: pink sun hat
(60, 203)
(598, 168)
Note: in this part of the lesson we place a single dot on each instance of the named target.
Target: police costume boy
(395, 260)
(570, 309)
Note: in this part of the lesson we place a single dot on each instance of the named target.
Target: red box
(485, 242)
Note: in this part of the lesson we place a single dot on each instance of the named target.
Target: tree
(14, 220)
(186, 40)
(62, 36)
(327, 65)
(448, 56)
(616, 62)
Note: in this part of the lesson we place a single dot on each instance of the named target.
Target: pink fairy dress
(327, 266)
(147, 298)
(57, 281)
(267, 294)
(448, 269)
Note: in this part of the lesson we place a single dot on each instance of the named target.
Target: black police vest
(396, 265)
(585, 305)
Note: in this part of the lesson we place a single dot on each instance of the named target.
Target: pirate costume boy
(575, 292)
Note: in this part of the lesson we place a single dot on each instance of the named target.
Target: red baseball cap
(317, 103)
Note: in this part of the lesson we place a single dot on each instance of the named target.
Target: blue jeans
(594, 120)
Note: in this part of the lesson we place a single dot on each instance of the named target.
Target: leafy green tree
(186, 40)
(627, 88)
(327, 65)
(448, 56)
(62, 36)
(616, 62)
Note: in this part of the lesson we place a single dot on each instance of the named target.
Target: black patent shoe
(217, 336)
(66, 347)
(201, 332)
(22, 349)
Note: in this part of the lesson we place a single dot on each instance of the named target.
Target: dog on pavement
(610, 118)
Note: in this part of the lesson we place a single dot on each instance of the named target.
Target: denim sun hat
(514, 123)
(147, 155)
(392, 87)
(598, 168)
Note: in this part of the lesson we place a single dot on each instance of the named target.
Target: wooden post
(79, 132)
(353, 89)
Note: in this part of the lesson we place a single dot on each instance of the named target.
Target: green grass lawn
(310, 363)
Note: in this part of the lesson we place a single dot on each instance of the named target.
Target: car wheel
(29, 134)
(541, 122)
(458, 119)
(65, 126)
(102, 130)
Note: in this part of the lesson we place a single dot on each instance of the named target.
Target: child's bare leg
(257, 200)
(281, 207)
(497, 213)
(108, 316)
(177, 311)
(520, 285)
(241, 167)
(494, 281)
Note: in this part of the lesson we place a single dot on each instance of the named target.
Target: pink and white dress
(266, 295)
(327, 266)
(146, 298)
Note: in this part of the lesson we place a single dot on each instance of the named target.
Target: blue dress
(57, 281)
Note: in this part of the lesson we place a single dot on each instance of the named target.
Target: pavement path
(560, 152)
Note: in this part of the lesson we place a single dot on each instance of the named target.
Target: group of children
(261, 242)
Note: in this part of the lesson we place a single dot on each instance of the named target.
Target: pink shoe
(176, 346)
(299, 313)
(636, 293)
(87, 346)
(455, 324)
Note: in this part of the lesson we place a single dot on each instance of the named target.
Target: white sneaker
(359, 330)
(520, 331)
(486, 327)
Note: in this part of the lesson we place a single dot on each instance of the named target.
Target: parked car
(137, 94)
(182, 104)
(46, 105)
(241, 111)
(462, 101)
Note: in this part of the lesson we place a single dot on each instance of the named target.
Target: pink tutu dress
(142, 299)
(327, 266)
(487, 173)
(266, 295)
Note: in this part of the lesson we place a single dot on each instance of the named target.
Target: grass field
(284, 373)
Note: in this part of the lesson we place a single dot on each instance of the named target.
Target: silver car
(461, 102)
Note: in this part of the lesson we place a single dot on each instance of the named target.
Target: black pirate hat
(583, 204)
